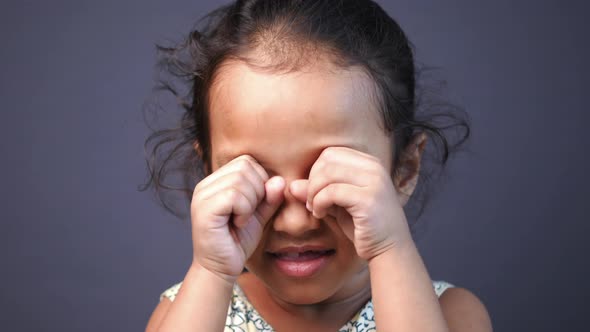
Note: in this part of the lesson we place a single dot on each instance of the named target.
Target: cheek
(255, 263)
(258, 258)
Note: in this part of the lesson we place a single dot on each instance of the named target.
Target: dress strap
(441, 286)
(171, 292)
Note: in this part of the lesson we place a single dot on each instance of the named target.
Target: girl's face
(284, 122)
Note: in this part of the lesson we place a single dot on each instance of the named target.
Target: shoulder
(161, 310)
(241, 315)
(464, 311)
(365, 317)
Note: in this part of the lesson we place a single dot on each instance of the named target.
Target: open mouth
(301, 263)
(303, 256)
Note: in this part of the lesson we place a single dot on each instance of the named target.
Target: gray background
(83, 250)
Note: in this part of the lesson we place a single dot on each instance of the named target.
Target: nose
(293, 218)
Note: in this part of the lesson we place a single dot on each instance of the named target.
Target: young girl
(302, 115)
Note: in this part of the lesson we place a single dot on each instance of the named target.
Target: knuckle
(239, 178)
(328, 154)
(196, 198)
(247, 157)
(259, 190)
(323, 196)
(372, 158)
(233, 194)
(318, 169)
(243, 163)
(198, 187)
(243, 194)
(331, 191)
(311, 194)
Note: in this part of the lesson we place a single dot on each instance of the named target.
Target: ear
(409, 168)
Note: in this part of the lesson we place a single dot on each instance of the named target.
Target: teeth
(294, 255)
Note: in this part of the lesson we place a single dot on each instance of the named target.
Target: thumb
(273, 198)
(298, 188)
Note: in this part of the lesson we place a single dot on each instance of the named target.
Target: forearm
(201, 303)
(402, 292)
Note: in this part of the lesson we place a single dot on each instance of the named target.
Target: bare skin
(301, 159)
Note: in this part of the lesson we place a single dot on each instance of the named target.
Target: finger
(224, 204)
(333, 211)
(273, 199)
(298, 188)
(244, 163)
(343, 219)
(338, 165)
(343, 195)
(253, 191)
(254, 225)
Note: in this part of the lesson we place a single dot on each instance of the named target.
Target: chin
(333, 278)
(323, 287)
(301, 292)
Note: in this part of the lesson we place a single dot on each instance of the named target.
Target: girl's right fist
(229, 210)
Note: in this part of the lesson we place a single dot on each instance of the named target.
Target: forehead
(294, 113)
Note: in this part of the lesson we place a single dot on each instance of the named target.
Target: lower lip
(301, 267)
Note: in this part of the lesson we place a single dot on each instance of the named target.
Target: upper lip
(299, 249)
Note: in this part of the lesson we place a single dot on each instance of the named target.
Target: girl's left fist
(354, 188)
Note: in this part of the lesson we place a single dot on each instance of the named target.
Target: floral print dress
(243, 317)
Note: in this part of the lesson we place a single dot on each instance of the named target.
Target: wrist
(396, 250)
(214, 277)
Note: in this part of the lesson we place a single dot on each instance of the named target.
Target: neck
(329, 310)
(332, 312)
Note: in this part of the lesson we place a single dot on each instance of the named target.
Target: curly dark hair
(286, 35)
